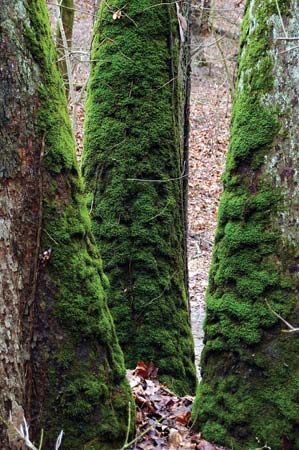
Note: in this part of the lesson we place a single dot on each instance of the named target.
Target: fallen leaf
(146, 370)
(174, 439)
(141, 369)
(184, 418)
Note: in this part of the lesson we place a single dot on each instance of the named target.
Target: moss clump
(132, 164)
(250, 369)
(77, 364)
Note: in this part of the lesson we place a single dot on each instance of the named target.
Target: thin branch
(280, 16)
(291, 329)
(66, 53)
(52, 239)
(168, 82)
(129, 444)
(159, 214)
(183, 175)
(295, 38)
(128, 428)
(201, 47)
(289, 50)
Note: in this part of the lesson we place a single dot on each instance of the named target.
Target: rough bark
(60, 361)
(134, 166)
(248, 397)
(19, 210)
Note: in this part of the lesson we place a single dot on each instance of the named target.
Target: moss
(132, 132)
(250, 369)
(84, 391)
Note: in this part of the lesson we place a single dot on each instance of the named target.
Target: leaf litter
(163, 420)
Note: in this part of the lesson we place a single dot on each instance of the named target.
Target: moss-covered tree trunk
(135, 165)
(67, 14)
(248, 397)
(60, 363)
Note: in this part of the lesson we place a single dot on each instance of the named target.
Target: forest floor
(210, 110)
(163, 419)
(213, 72)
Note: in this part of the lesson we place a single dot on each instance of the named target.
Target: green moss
(133, 132)
(250, 369)
(85, 392)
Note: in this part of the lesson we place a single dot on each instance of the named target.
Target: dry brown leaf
(146, 370)
(184, 418)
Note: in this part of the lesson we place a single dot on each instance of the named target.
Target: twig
(201, 47)
(183, 175)
(52, 239)
(136, 439)
(289, 49)
(67, 54)
(282, 24)
(291, 329)
(159, 214)
(128, 428)
(41, 440)
(294, 38)
(167, 82)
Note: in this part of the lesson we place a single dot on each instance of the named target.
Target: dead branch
(280, 16)
(66, 52)
(183, 175)
(295, 38)
(291, 329)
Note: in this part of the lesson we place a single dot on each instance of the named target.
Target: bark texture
(19, 211)
(60, 361)
(248, 397)
(135, 166)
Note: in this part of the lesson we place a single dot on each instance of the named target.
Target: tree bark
(135, 167)
(60, 362)
(20, 209)
(248, 397)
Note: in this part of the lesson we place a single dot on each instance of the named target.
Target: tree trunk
(248, 397)
(60, 362)
(67, 13)
(135, 167)
(199, 27)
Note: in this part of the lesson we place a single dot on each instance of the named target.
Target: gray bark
(19, 209)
